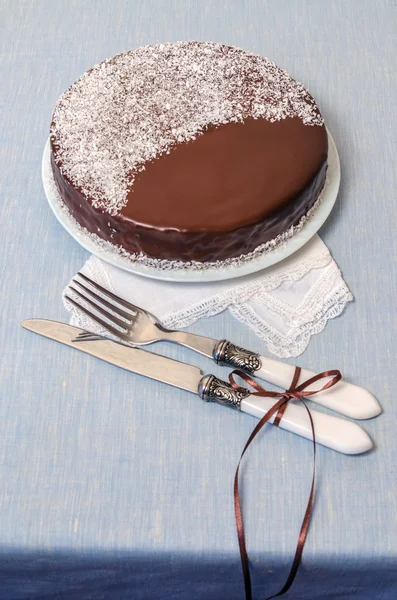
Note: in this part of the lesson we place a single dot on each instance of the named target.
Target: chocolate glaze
(231, 176)
(232, 189)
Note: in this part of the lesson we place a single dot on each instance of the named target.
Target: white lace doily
(285, 304)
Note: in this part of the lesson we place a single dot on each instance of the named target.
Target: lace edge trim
(296, 341)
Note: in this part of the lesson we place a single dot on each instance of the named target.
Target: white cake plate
(106, 252)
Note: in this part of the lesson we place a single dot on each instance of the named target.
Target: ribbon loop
(294, 392)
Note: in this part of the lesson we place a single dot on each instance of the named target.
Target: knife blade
(333, 432)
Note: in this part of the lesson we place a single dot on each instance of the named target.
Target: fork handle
(345, 398)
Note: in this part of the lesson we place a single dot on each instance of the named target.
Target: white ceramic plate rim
(209, 274)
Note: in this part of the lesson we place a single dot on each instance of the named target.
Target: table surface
(112, 486)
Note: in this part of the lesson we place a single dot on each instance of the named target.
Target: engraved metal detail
(87, 336)
(212, 389)
(227, 354)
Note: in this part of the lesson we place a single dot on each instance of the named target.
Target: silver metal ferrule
(212, 389)
(227, 354)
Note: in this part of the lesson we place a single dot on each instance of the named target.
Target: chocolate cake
(190, 151)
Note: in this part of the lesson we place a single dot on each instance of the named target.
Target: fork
(138, 327)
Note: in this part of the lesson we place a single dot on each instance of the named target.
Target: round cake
(189, 151)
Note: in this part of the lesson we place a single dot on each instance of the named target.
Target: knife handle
(345, 398)
(332, 432)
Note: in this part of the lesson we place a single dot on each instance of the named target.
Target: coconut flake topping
(138, 105)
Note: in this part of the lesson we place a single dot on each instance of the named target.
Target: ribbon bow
(294, 392)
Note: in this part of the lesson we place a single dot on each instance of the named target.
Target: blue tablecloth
(112, 486)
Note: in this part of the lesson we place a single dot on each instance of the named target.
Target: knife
(333, 432)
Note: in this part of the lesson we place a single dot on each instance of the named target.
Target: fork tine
(104, 312)
(113, 330)
(116, 309)
(110, 294)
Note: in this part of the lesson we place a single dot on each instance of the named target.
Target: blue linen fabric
(112, 486)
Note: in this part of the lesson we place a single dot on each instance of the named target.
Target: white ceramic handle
(338, 434)
(345, 398)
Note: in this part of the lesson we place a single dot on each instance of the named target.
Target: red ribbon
(294, 392)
